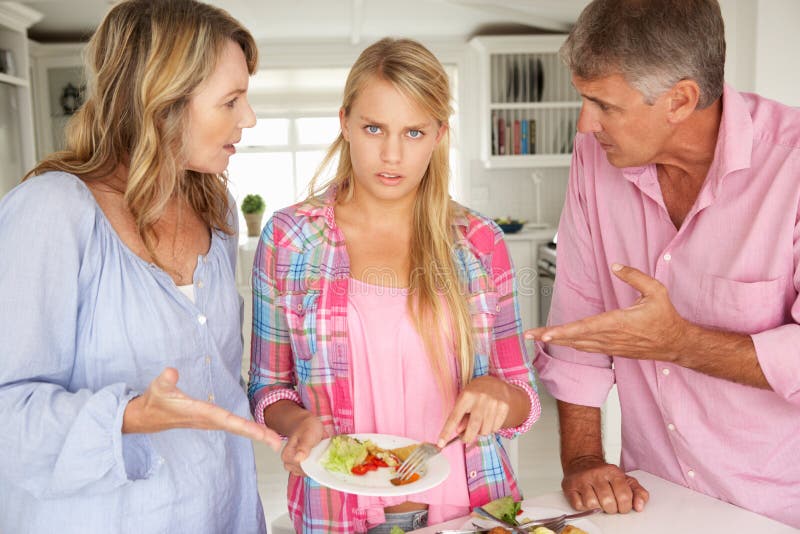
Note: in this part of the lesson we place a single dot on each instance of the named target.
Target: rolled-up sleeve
(571, 375)
(509, 359)
(778, 349)
(272, 373)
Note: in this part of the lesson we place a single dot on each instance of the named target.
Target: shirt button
(201, 319)
(498, 308)
(200, 284)
(299, 307)
(671, 427)
(473, 474)
(208, 359)
(667, 256)
(665, 371)
(211, 398)
(205, 259)
(690, 473)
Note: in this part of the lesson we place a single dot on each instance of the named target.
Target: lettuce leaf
(343, 453)
(504, 509)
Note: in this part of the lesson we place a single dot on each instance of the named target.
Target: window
(278, 158)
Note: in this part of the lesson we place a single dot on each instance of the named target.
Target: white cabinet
(528, 108)
(524, 251)
(17, 153)
(57, 74)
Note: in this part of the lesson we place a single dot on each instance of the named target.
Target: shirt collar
(320, 206)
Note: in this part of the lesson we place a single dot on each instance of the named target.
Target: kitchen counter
(672, 508)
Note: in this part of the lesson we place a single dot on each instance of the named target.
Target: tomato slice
(360, 469)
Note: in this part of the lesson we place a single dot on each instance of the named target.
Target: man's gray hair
(652, 43)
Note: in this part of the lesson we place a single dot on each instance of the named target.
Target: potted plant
(253, 210)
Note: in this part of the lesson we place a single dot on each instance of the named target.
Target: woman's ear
(683, 99)
(343, 124)
(441, 131)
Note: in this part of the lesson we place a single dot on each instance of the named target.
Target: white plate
(536, 512)
(375, 483)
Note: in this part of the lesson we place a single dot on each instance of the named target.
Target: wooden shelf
(528, 161)
(534, 105)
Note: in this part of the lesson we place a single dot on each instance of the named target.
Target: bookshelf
(528, 107)
(17, 153)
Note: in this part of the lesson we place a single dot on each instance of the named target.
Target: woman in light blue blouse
(121, 401)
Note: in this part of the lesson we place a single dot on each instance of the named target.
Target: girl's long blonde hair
(438, 293)
(143, 64)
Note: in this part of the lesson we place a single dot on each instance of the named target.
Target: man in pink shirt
(678, 272)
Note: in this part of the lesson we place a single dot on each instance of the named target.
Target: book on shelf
(495, 136)
(516, 137)
(523, 137)
(509, 140)
(501, 136)
(532, 136)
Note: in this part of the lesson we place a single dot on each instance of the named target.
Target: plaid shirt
(300, 348)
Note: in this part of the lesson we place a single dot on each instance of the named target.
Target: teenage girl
(380, 305)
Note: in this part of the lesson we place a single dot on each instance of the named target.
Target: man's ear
(682, 100)
(343, 124)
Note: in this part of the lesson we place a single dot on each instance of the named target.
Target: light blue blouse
(85, 325)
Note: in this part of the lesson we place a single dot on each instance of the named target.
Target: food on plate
(507, 510)
(397, 481)
(404, 452)
(348, 455)
(397, 530)
(343, 453)
(504, 509)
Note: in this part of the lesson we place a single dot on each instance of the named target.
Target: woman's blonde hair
(143, 64)
(435, 287)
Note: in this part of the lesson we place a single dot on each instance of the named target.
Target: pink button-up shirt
(733, 265)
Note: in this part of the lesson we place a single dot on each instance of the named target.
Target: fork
(553, 523)
(419, 457)
(557, 523)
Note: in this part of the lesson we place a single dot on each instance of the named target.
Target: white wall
(763, 39)
(777, 70)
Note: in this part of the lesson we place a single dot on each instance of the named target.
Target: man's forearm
(581, 437)
(720, 354)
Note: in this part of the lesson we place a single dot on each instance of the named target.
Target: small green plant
(253, 204)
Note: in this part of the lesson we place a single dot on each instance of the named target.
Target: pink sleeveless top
(396, 392)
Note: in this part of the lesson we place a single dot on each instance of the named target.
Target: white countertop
(672, 508)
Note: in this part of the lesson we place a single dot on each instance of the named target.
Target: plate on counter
(537, 512)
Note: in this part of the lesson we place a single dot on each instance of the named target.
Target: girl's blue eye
(373, 129)
(415, 134)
